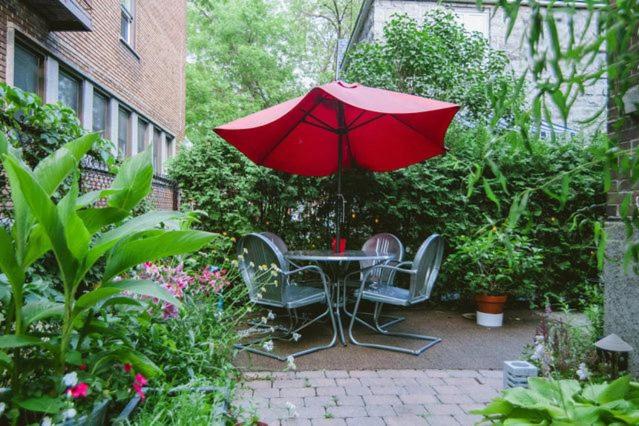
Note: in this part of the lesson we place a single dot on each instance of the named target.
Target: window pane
(142, 135)
(69, 91)
(26, 70)
(157, 150)
(169, 147)
(124, 27)
(126, 4)
(123, 133)
(100, 113)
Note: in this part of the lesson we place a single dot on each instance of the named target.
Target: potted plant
(497, 264)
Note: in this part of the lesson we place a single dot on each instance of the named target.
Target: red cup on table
(342, 245)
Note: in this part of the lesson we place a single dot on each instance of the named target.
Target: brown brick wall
(153, 84)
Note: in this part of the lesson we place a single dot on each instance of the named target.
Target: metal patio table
(336, 265)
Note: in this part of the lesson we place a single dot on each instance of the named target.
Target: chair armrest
(311, 268)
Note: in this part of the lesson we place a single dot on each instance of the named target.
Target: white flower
(268, 346)
(582, 372)
(69, 414)
(290, 363)
(46, 421)
(539, 352)
(292, 412)
(270, 315)
(296, 336)
(3, 407)
(251, 264)
(245, 250)
(264, 320)
(70, 379)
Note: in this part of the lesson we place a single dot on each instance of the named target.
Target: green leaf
(496, 406)
(76, 234)
(6, 360)
(40, 310)
(139, 361)
(139, 287)
(9, 341)
(43, 404)
(97, 218)
(489, 192)
(8, 263)
(615, 390)
(137, 250)
(133, 181)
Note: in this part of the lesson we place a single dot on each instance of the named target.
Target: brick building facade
(120, 64)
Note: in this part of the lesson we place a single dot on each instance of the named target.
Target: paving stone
(295, 422)
(245, 393)
(365, 421)
(347, 411)
(253, 402)
(270, 414)
(330, 391)
(363, 373)
(496, 374)
(289, 383)
(408, 419)
(321, 401)
(357, 390)
(468, 420)
(417, 389)
(404, 381)
(318, 374)
(321, 382)
(259, 384)
(454, 398)
(296, 392)
(256, 375)
(380, 410)
(439, 420)
(381, 400)
(350, 400)
(444, 409)
(374, 381)
(423, 398)
(494, 383)
(336, 374)
(436, 373)
(328, 422)
(483, 397)
(316, 412)
(446, 389)
(470, 407)
(283, 375)
(461, 381)
(267, 392)
(282, 402)
(417, 409)
(463, 373)
(351, 381)
(387, 390)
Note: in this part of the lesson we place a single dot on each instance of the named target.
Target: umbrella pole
(340, 152)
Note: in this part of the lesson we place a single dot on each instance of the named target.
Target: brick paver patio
(369, 397)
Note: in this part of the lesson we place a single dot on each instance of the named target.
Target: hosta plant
(49, 337)
(566, 402)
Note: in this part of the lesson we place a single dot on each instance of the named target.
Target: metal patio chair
(423, 271)
(277, 240)
(383, 243)
(258, 258)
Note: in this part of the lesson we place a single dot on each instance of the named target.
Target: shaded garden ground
(464, 344)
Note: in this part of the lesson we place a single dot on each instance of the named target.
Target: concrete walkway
(369, 397)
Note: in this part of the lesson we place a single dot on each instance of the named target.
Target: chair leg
(431, 340)
(392, 319)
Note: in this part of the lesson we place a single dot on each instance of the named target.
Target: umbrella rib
(319, 120)
(410, 126)
(288, 132)
(310, 123)
(377, 117)
(348, 126)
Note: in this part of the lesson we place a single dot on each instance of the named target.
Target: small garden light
(614, 351)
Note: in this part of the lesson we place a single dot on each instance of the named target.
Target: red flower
(140, 380)
(83, 367)
(79, 390)
(127, 367)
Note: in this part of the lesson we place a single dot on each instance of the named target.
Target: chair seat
(302, 295)
(387, 294)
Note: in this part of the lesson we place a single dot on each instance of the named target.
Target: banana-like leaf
(38, 245)
(75, 232)
(6, 360)
(8, 262)
(43, 209)
(120, 301)
(131, 252)
(9, 341)
(133, 181)
(97, 218)
(22, 218)
(139, 287)
(91, 197)
(40, 310)
(52, 170)
(138, 360)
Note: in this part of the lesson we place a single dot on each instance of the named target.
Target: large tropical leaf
(8, 262)
(138, 360)
(96, 218)
(76, 234)
(9, 341)
(40, 310)
(43, 209)
(134, 251)
(38, 245)
(43, 404)
(139, 287)
(133, 181)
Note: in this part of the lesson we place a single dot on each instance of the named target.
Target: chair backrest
(427, 262)
(256, 256)
(383, 243)
(279, 242)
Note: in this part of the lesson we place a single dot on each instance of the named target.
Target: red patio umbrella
(341, 125)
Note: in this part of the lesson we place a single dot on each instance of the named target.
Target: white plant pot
(490, 320)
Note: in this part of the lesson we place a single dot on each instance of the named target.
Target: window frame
(107, 113)
(18, 44)
(71, 76)
(142, 123)
(157, 150)
(127, 143)
(128, 15)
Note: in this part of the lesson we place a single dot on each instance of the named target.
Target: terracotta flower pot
(490, 304)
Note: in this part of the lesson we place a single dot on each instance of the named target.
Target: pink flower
(138, 389)
(138, 383)
(140, 379)
(127, 367)
(79, 390)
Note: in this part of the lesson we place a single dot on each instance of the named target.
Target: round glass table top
(331, 256)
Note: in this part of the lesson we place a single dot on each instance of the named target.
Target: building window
(157, 150)
(169, 147)
(69, 90)
(124, 133)
(126, 21)
(142, 134)
(27, 70)
(100, 113)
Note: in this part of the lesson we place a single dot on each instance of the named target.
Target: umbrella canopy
(341, 125)
(377, 129)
